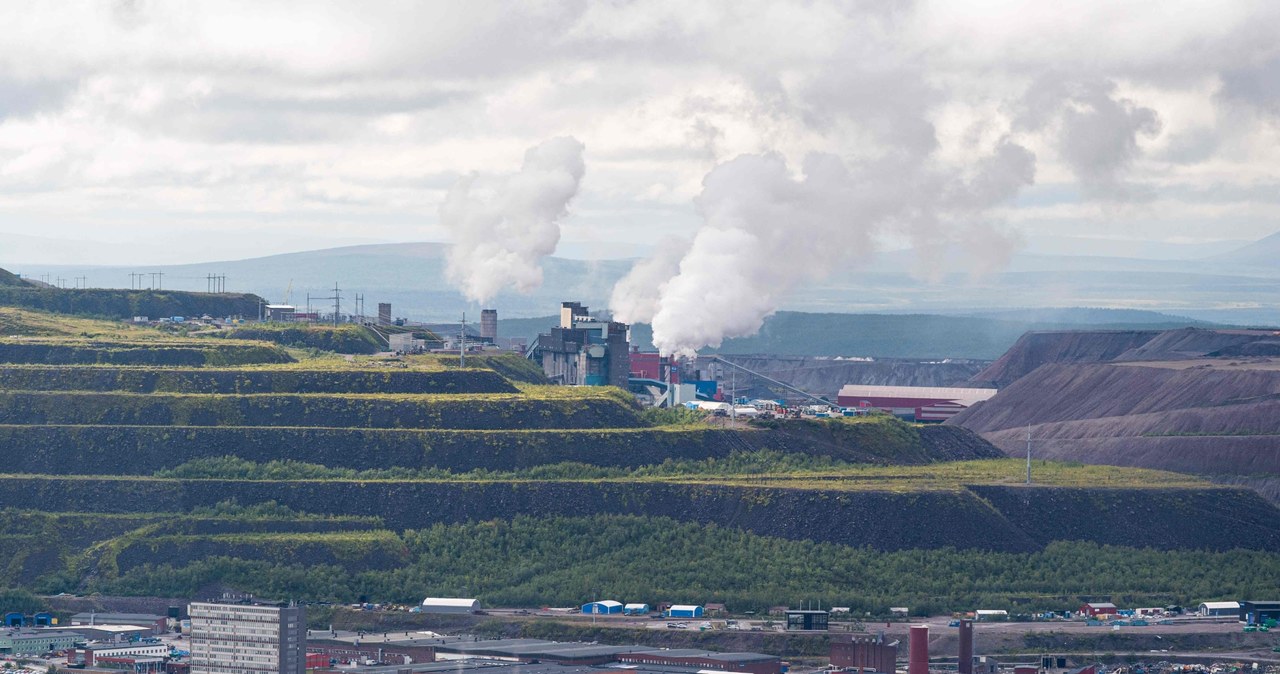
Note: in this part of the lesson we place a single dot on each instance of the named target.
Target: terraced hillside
(330, 478)
(1183, 400)
(122, 304)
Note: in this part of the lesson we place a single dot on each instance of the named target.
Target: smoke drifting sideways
(502, 226)
(765, 233)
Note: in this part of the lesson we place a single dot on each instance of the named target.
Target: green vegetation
(306, 377)
(514, 367)
(739, 463)
(84, 352)
(339, 339)
(333, 477)
(389, 411)
(14, 321)
(759, 467)
(561, 561)
(124, 304)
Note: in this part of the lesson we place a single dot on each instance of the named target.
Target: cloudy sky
(164, 131)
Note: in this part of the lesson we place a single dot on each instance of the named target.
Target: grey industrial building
(584, 351)
(1258, 612)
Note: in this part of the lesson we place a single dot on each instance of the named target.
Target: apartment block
(247, 639)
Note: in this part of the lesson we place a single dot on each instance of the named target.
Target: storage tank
(918, 663)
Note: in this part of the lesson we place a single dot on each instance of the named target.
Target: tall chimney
(489, 323)
(918, 662)
(966, 647)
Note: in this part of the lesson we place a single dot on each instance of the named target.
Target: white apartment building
(247, 639)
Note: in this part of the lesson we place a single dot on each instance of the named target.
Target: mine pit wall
(1010, 519)
(116, 450)
(227, 381)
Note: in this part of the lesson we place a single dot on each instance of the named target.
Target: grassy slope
(803, 501)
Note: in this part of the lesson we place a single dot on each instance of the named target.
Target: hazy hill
(1238, 287)
(890, 335)
(8, 278)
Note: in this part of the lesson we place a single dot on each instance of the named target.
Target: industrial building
(531, 651)
(1099, 608)
(18, 619)
(449, 605)
(493, 666)
(278, 313)
(158, 624)
(606, 607)
(247, 639)
(807, 619)
(463, 652)
(914, 403)
(584, 351)
(685, 611)
(755, 663)
(849, 652)
(89, 655)
(37, 642)
(1259, 612)
(1220, 608)
(635, 609)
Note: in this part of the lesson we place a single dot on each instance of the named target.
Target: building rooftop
(961, 396)
(141, 617)
(504, 667)
(707, 655)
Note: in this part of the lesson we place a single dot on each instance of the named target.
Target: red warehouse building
(917, 403)
(1098, 608)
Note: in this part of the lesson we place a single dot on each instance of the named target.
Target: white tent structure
(449, 605)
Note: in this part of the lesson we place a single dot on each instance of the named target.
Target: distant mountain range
(911, 336)
(1241, 286)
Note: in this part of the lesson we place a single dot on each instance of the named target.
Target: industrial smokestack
(966, 647)
(489, 323)
(919, 645)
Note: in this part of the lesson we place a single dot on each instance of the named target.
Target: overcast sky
(164, 131)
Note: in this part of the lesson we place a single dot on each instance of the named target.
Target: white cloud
(310, 119)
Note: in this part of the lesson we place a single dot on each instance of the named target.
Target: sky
(170, 132)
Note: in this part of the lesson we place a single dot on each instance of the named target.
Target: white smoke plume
(502, 226)
(635, 297)
(766, 232)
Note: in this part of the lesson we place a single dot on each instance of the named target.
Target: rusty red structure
(965, 660)
(918, 660)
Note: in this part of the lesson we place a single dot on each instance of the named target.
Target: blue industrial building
(635, 609)
(684, 611)
(605, 607)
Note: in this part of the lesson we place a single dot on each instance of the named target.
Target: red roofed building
(917, 403)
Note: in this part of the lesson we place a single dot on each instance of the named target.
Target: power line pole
(337, 303)
(462, 341)
(82, 282)
(1028, 453)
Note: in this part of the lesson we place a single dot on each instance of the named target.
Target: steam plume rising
(503, 226)
(765, 232)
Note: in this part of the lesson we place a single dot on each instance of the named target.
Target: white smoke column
(635, 298)
(764, 231)
(503, 226)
